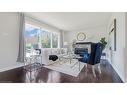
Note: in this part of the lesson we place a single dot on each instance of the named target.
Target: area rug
(67, 68)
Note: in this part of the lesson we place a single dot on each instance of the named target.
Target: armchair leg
(86, 69)
(93, 70)
(99, 68)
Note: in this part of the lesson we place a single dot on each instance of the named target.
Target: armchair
(94, 57)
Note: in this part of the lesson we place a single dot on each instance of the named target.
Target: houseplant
(103, 42)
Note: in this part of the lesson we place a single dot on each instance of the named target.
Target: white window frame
(50, 35)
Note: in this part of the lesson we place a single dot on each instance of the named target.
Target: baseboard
(13, 66)
(122, 77)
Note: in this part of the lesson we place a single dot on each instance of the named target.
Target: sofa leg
(99, 68)
(79, 66)
(93, 70)
(60, 61)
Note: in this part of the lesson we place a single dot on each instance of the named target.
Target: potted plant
(103, 42)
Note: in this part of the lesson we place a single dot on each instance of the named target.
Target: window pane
(54, 40)
(31, 36)
(45, 39)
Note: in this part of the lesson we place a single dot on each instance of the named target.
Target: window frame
(39, 27)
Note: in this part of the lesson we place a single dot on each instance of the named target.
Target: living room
(58, 34)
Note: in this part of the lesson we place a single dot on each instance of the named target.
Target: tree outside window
(45, 39)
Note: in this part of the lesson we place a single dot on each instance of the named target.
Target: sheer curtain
(21, 51)
(61, 39)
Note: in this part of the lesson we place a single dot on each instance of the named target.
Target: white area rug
(66, 67)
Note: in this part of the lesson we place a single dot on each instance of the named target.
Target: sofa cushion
(53, 57)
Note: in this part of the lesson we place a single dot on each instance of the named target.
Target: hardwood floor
(45, 75)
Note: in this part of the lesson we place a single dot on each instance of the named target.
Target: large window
(31, 36)
(45, 39)
(37, 37)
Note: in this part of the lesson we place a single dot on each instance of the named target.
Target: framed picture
(112, 35)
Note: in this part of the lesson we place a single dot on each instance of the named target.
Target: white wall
(8, 39)
(118, 56)
(92, 34)
(125, 55)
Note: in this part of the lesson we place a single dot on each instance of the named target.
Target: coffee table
(71, 57)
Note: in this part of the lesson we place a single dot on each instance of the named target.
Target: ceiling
(72, 21)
